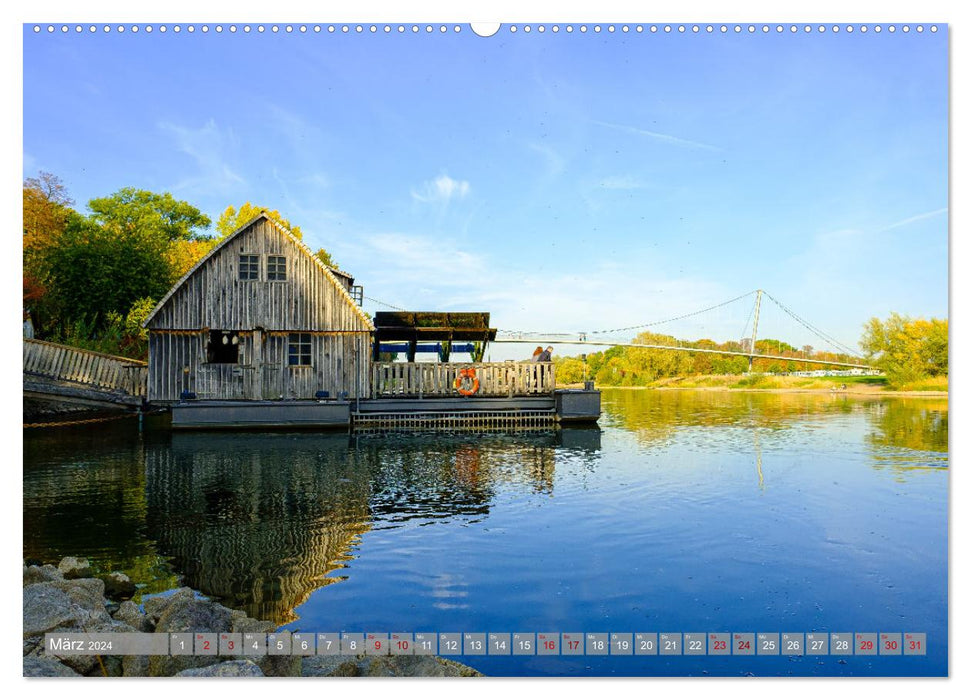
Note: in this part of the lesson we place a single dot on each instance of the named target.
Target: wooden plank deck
(68, 370)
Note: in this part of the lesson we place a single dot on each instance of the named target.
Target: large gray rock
(312, 666)
(89, 593)
(129, 613)
(32, 644)
(110, 667)
(118, 586)
(135, 666)
(194, 616)
(154, 606)
(384, 666)
(242, 623)
(46, 667)
(279, 666)
(227, 669)
(183, 612)
(73, 567)
(59, 605)
(41, 574)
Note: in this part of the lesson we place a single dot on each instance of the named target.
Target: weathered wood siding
(438, 379)
(85, 367)
(214, 297)
(263, 312)
(339, 363)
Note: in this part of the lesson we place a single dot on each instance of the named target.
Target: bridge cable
(675, 318)
(384, 303)
(812, 328)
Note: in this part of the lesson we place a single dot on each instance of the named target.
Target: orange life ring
(460, 385)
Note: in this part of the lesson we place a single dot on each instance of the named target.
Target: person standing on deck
(546, 355)
(536, 353)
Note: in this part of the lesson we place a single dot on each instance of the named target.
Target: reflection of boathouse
(261, 333)
(262, 520)
(251, 520)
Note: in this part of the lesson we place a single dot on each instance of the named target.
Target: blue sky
(564, 182)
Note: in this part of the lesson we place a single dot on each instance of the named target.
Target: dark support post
(412, 350)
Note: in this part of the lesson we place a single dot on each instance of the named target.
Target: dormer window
(249, 267)
(276, 267)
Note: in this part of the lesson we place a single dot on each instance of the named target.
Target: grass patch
(927, 384)
(757, 381)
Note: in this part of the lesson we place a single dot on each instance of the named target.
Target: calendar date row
(493, 644)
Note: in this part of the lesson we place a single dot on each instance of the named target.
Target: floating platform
(387, 415)
(203, 414)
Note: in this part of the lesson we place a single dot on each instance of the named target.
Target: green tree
(907, 349)
(134, 211)
(95, 271)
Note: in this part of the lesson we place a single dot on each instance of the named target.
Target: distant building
(259, 317)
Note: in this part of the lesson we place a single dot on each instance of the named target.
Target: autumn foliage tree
(907, 349)
(233, 218)
(47, 207)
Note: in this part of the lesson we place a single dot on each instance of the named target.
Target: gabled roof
(300, 244)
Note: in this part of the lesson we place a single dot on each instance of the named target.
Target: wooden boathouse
(258, 318)
(260, 333)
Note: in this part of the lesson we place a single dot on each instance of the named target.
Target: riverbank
(68, 598)
(853, 386)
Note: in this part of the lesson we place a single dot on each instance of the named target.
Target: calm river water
(683, 512)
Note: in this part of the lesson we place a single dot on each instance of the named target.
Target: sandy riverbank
(867, 387)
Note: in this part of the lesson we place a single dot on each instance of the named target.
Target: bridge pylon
(755, 327)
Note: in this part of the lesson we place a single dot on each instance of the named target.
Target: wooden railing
(92, 369)
(438, 378)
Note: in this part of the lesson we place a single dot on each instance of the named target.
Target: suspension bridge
(835, 353)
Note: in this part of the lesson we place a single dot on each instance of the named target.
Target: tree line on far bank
(907, 350)
(90, 280)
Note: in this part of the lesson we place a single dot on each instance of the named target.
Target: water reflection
(259, 521)
(262, 521)
(915, 424)
(84, 495)
(657, 418)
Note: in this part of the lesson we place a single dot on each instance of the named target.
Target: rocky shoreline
(69, 598)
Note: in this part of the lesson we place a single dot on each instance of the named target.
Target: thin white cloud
(415, 258)
(211, 148)
(912, 219)
(622, 182)
(657, 136)
(441, 189)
